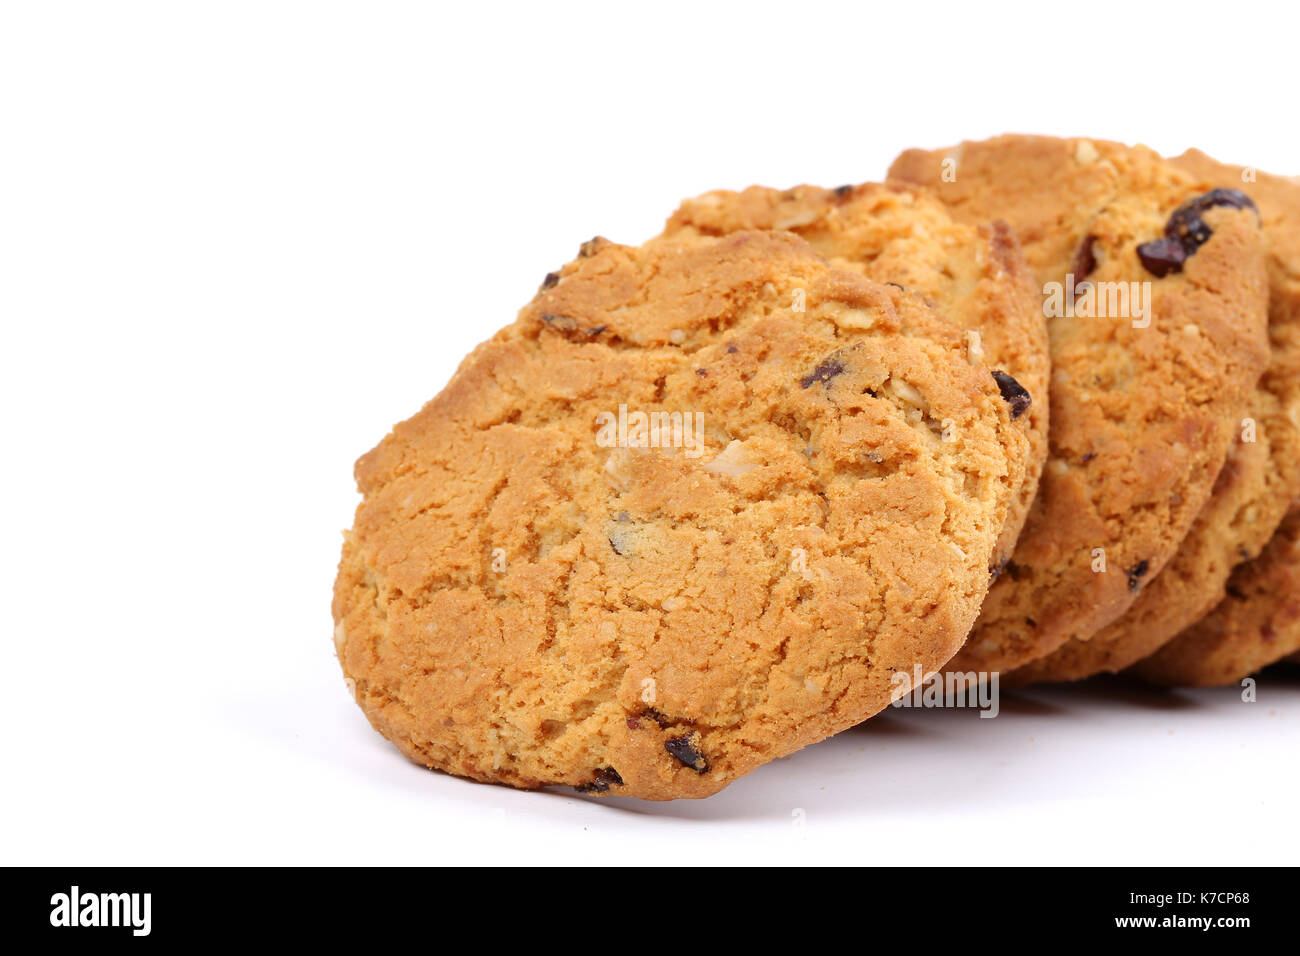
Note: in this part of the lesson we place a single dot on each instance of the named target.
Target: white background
(238, 241)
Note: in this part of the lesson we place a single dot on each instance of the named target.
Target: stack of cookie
(1028, 408)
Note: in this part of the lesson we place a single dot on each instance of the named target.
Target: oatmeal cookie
(1260, 478)
(1156, 296)
(551, 580)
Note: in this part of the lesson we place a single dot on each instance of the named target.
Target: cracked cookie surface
(520, 601)
(1259, 480)
(974, 276)
(1144, 402)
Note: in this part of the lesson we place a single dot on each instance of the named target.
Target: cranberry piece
(1162, 256)
(1015, 394)
(1085, 261)
(1186, 231)
(685, 750)
(827, 370)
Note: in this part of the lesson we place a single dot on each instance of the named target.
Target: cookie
(973, 276)
(544, 585)
(1259, 480)
(1257, 624)
(1156, 299)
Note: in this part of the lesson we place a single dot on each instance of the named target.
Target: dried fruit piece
(1015, 394)
(601, 781)
(827, 370)
(1136, 574)
(1186, 231)
(1185, 222)
(564, 323)
(1162, 256)
(1085, 260)
(686, 749)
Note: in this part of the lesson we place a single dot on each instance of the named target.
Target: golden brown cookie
(542, 587)
(1154, 358)
(1259, 480)
(975, 277)
(1257, 624)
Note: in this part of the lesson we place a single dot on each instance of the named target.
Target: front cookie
(695, 509)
